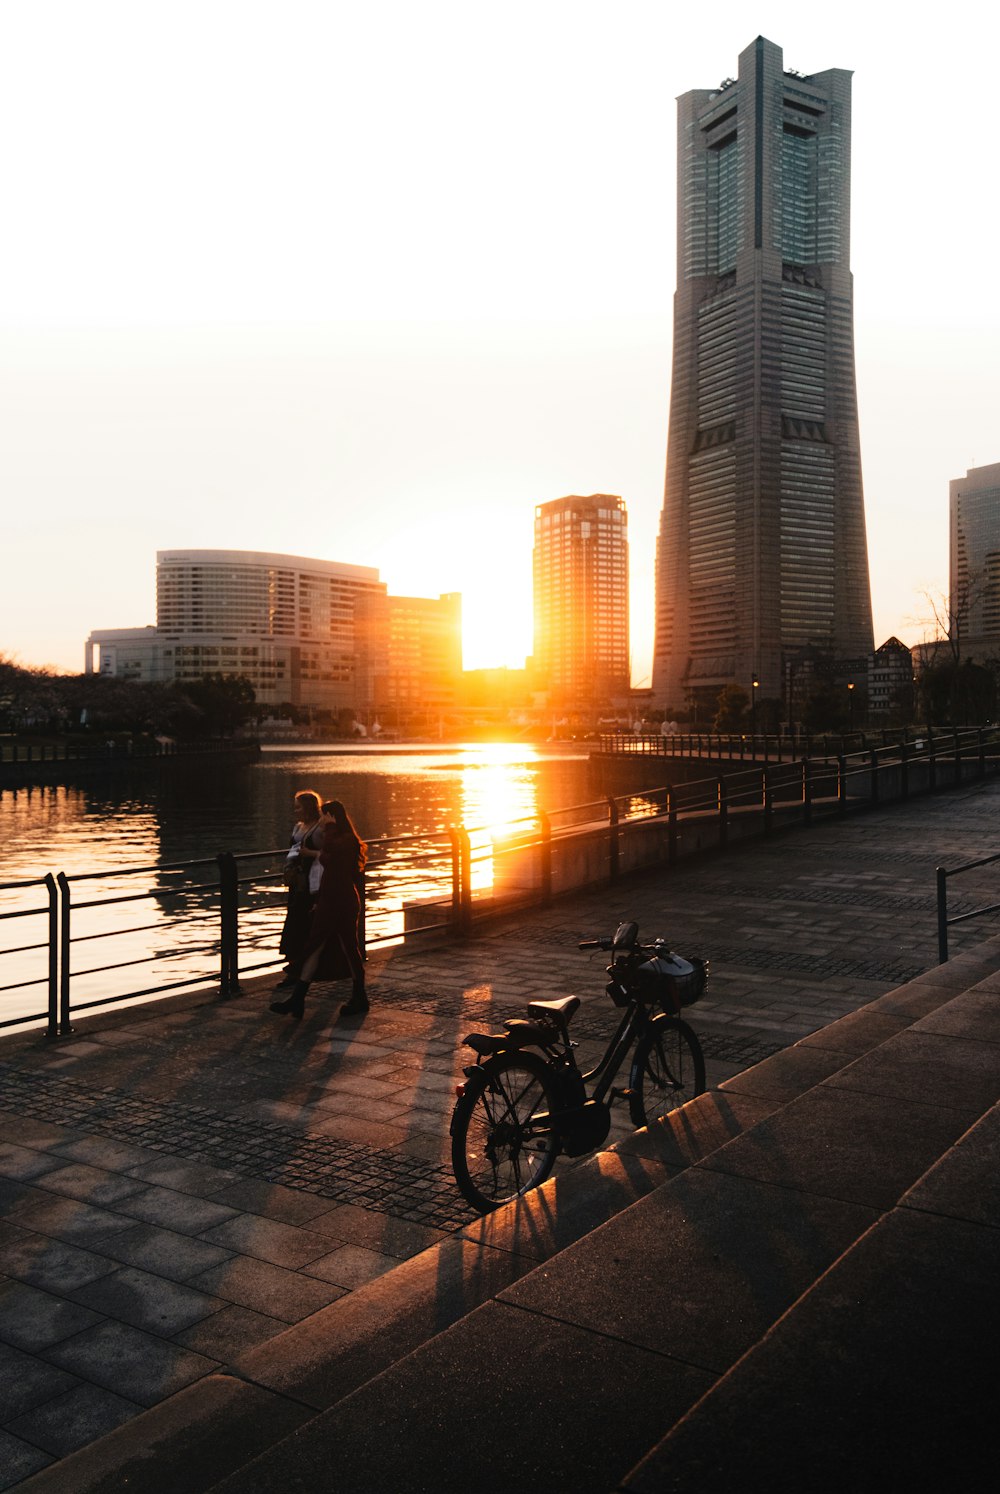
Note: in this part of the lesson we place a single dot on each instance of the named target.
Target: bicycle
(518, 1109)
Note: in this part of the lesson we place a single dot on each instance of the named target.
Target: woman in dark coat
(302, 878)
(332, 949)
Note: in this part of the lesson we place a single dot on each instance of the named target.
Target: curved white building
(305, 631)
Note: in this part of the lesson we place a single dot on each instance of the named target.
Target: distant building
(423, 656)
(974, 556)
(890, 682)
(762, 551)
(312, 633)
(581, 599)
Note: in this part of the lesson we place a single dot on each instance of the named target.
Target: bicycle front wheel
(668, 1070)
(502, 1143)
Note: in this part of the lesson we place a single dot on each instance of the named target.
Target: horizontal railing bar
(172, 954)
(976, 913)
(28, 1017)
(24, 948)
(134, 871)
(970, 865)
(172, 985)
(20, 985)
(138, 928)
(138, 897)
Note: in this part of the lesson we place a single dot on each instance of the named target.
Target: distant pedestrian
(332, 949)
(303, 874)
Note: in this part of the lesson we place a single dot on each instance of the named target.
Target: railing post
(614, 849)
(65, 1025)
(545, 854)
(942, 915)
(671, 825)
(723, 812)
(982, 754)
(873, 765)
(841, 784)
(807, 792)
(52, 1031)
(931, 765)
(765, 785)
(957, 778)
(904, 770)
(361, 884)
(465, 859)
(229, 978)
(456, 879)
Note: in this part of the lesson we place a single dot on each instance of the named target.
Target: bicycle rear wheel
(501, 1144)
(667, 1071)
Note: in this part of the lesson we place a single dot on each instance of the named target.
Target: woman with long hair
(332, 949)
(302, 878)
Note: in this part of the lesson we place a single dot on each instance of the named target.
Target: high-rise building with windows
(580, 570)
(308, 632)
(762, 551)
(974, 554)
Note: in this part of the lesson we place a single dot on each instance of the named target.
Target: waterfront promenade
(191, 1186)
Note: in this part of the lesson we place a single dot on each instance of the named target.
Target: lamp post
(850, 705)
(754, 687)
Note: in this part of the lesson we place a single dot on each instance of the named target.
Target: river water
(122, 837)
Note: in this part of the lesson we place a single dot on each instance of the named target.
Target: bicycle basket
(673, 982)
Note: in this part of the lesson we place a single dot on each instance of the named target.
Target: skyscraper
(580, 566)
(762, 553)
(974, 554)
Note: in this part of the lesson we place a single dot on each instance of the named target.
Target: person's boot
(296, 1003)
(358, 1002)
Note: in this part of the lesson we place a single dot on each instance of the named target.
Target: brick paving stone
(164, 1251)
(229, 1332)
(27, 1381)
(49, 1264)
(133, 1364)
(71, 1220)
(268, 1240)
(147, 1301)
(267, 1289)
(32, 1319)
(351, 1266)
(93, 1185)
(72, 1420)
(175, 1211)
(19, 1460)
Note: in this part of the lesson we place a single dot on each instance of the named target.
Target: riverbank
(23, 765)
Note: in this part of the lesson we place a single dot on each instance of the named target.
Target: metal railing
(218, 918)
(944, 922)
(785, 746)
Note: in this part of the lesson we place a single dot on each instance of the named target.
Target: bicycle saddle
(564, 1007)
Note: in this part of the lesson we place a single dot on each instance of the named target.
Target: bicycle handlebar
(596, 944)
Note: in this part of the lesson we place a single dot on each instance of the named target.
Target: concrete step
(566, 1339)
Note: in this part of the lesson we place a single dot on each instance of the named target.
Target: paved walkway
(182, 1181)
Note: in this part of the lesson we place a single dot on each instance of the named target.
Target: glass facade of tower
(580, 569)
(762, 550)
(974, 569)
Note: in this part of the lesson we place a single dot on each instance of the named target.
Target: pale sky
(369, 280)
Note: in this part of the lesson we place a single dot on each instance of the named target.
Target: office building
(423, 657)
(762, 551)
(974, 556)
(580, 573)
(310, 633)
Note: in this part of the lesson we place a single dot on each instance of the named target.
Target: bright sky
(370, 280)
